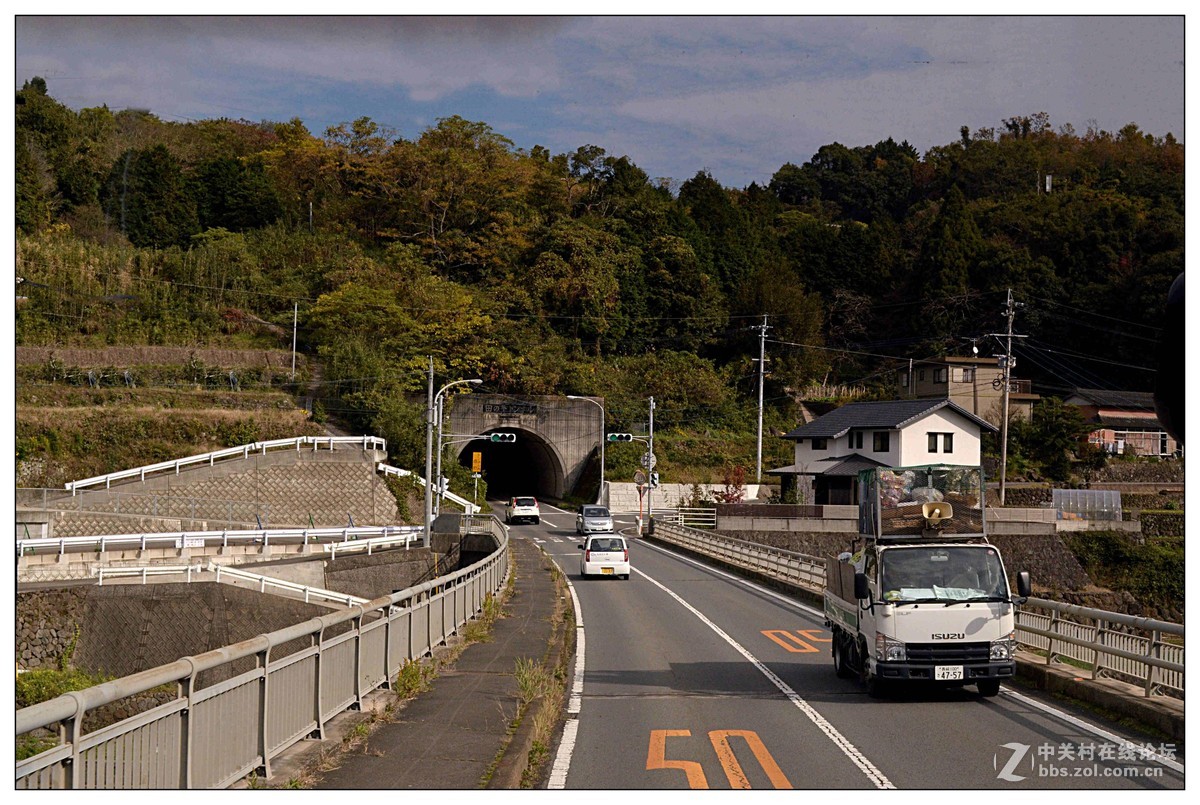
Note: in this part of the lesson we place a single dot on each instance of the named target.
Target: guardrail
(1110, 644)
(146, 571)
(777, 563)
(290, 589)
(237, 708)
(467, 506)
(244, 451)
(203, 539)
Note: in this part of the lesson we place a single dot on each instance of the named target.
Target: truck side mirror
(860, 586)
(1024, 585)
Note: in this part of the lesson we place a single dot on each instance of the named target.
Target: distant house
(1124, 422)
(975, 384)
(831, 449)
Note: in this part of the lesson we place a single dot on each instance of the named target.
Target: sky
(737, 96)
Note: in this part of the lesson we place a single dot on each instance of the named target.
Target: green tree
(149, 198)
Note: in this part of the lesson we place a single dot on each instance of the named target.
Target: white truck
(922, 596)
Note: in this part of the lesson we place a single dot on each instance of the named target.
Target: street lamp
(434, 404)
(603, 496)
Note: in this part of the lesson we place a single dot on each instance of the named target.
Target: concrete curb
(515, 757)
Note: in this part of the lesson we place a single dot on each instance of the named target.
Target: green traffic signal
(504, 437)
(620, 437)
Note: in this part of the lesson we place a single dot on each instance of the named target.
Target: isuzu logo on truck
(948, 636)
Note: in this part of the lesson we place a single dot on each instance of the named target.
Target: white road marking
(1093, 729)
(566, 747)
(1005, 690)
(840, 741)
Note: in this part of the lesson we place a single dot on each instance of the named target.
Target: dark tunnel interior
(524, 467)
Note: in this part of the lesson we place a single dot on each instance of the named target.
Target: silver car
(593, 519)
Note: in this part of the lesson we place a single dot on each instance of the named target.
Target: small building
(831, 449)
(1124, 422)
(975, 384)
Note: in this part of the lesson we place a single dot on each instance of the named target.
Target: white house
(831, 449)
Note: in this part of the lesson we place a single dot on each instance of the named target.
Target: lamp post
(603, 496)
(434, 405)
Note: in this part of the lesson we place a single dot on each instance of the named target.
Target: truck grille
(948, 653)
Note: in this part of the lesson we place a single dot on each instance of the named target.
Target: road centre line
(840, 741)
(1005, 690)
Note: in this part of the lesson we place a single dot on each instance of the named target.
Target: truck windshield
(932, 573)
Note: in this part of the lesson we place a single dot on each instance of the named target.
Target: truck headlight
(889, 650)
(1003, 649)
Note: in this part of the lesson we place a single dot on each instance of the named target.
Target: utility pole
(429, 457)
(295, 315)
(1007, 362)
(650, 469)
(762, 358)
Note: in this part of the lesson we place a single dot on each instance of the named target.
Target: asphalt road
(694, 678)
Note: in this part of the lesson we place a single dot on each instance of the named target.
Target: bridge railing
(206, 539)
(274, 690)
(244, 451)
(467, 506)
(1142, 651)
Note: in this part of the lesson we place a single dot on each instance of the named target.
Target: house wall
(914, 441)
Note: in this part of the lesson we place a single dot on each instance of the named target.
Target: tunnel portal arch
(556, 437)
(528, 466)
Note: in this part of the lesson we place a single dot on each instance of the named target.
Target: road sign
(639, 478)
(649, 460)
(476, 462)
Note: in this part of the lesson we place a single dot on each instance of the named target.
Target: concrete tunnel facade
(556, 437)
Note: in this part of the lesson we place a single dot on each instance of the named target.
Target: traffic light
(620, 437)
(654, 480)
(504, 437)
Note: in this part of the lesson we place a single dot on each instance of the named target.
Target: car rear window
(608, 544)
(526, 502)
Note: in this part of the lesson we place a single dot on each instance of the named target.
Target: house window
(880, 441)
(856, 441)
(921, 375)
(947, 442)
(969, 375)
(904, 379)
(820, 444)
(939, 375)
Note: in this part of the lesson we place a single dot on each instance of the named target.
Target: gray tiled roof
(881, 415)
(1106, 398)
(845, 465)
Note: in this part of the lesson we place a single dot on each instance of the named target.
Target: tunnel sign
(476, 462)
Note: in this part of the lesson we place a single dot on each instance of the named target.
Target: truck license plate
(947, 672)
(607, 571)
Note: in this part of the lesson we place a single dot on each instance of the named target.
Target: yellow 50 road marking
(656, 758)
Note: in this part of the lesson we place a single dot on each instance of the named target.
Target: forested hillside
(577, 273)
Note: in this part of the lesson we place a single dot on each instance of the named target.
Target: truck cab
(922, 596)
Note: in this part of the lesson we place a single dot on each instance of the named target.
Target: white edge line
(840, 741)
(1049, 710)
(566, 745)
(1083, 725)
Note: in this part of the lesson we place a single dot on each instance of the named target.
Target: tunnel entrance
(528, 466)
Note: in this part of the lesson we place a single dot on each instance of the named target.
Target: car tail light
(587, 556)
(626, 554)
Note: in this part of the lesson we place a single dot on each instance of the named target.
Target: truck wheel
(988, 687)
(839, 656)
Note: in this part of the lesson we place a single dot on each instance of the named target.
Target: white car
(604, 555)
(522, 509)
(593, 519)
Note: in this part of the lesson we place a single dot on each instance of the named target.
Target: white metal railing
(1142, 651)
(144, 572)
(235, 709)
(789, 566)
(278, 586)
(467, 506)
(244, 451)
(204, 539)
(694, 517)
